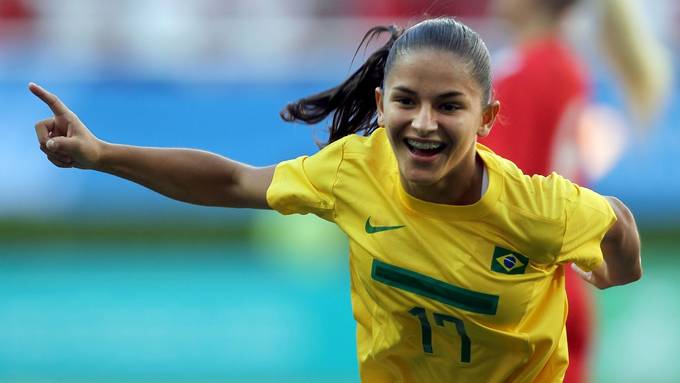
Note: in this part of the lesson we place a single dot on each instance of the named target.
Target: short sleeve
(588, 218)
(305, 184)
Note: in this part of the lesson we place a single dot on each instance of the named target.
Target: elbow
(632, 274)
(620, 280)
(636, 275)
(622, 245)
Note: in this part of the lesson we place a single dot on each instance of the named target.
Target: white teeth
(423, 145)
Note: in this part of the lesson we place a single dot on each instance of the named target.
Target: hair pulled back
(353, 101)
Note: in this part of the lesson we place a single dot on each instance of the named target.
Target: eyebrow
(453, 93)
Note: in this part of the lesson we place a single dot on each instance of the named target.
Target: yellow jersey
(448, 293)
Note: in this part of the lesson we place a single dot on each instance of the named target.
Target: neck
(462, 186)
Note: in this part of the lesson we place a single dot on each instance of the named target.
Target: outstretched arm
(621, 250)
(187, 175)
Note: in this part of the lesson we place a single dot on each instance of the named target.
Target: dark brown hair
(353, 102)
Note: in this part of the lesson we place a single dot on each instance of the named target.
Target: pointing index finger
(58, 107)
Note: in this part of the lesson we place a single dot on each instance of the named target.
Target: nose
(424, 121)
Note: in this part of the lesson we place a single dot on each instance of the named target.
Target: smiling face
(433, 110)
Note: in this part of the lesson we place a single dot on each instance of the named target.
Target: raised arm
(621, 250)
(188, 175)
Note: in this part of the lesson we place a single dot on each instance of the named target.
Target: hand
(64, 138)
(598, 277)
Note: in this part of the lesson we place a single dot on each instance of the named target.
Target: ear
(488, 117)
(379, 106)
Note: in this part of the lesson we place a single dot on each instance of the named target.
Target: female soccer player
(455, 254)
(543, 87)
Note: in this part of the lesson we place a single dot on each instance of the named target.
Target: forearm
(621, 247)
(187, 175)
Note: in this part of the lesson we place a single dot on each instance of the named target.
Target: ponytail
(352, 102)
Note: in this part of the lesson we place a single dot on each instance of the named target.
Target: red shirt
(535, 86)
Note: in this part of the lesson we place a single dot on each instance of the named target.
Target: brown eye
(404, 101)
(449, 107)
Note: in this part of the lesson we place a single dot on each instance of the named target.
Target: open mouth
(424, 148)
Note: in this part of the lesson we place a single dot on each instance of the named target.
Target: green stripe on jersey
(440, 291)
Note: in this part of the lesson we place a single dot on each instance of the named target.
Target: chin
(420, 178)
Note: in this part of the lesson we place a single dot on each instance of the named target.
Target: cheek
(395, 123)
(459, 126)
(392, 135)
(461, 133)
(392, 132)
(395, 116)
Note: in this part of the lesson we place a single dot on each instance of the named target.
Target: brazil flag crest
(506, 261)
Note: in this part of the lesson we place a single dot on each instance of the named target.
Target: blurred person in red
(407, 9)
(546, 123)
(13, 15)
(15, 10)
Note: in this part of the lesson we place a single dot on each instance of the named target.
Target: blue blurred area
(236, 120)
(645, 177)
(116, 312)
(72, 312)
(240, 121)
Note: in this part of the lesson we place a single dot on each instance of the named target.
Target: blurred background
(104, 281)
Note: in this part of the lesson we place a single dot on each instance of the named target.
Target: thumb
(62, 144)
(585, 275)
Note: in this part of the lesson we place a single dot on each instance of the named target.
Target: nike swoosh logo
(370, 229)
